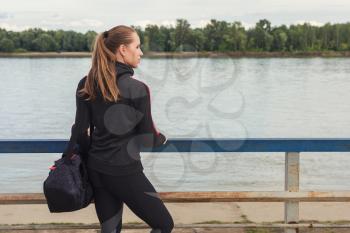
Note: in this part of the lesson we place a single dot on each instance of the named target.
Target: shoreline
(326, 54)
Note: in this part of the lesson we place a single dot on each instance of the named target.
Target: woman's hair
(102, 70)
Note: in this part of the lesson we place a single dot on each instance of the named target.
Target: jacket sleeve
(147, 134)
(80, 126)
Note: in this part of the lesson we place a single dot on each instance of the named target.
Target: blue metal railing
(291, 146)
(197, 145)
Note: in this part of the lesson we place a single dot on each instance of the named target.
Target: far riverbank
(188, 54)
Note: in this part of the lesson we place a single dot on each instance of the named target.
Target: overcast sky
(83, 15)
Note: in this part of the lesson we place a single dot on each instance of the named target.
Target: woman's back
(121, 127)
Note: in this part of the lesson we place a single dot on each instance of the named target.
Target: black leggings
(137, 192)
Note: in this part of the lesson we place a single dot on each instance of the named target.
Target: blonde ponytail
(103, 71)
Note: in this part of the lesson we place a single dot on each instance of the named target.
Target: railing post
(291, 208)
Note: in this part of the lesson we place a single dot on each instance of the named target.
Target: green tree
(260, 37)
(45, 43)
(141, 34)
(166, 32)
(90, 38)
(181, 35)
(67, 41)
(214, 33)
(235, 38)
(58, 37)
(215, 36)
(26, 39)
(6, 45)
(280, 38)
(155, 38)
(196, 39)
(325, 36)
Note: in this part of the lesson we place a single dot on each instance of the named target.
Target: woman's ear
(122, 50)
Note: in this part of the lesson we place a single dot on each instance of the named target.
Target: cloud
(51, 23)
(172, 23)
(14, 27)
(85, 23)
(201, 23)
(143, 23)
(98, 16)
(168, 23)
(247, 25)
(313, 23)
(204, 22)
(58, 21)
(5, 15)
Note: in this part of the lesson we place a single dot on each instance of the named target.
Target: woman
(120, 109)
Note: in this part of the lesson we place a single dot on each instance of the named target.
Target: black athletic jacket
(120, 127)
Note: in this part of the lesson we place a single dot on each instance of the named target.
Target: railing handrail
(197, 145)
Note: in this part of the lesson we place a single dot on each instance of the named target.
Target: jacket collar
(122, 68)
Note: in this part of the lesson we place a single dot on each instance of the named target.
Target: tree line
(218, 36)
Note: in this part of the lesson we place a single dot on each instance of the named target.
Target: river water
(192, 98)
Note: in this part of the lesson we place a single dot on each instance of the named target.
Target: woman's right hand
(163, 138)
(166, 139)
